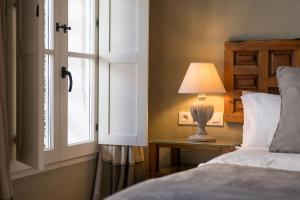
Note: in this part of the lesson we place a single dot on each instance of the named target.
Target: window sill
(20, 170)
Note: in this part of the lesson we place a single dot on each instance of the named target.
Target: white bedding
(260, 157)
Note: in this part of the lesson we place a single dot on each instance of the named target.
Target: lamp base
(201, 138)
(201, 112)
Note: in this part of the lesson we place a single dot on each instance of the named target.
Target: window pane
(80, 101)
(48, 103)
(81, 19)
(49, 24)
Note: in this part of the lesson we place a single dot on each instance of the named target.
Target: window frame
(60, 154)
(61, 150)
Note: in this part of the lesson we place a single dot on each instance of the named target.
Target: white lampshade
(202, 78)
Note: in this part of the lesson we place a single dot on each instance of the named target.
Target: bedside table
(223, 146)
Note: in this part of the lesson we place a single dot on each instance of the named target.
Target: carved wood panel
(251, 66)
(245, 58)
(279, 58)
(273, 90)
(238, 105)
(245, 82)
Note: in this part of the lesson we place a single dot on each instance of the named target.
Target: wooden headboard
(251, 66)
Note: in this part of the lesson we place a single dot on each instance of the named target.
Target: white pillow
(261, 117)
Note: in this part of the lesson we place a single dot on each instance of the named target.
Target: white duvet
(260, 157)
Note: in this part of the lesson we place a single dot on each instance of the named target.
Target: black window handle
(64, 27)
(64, 74)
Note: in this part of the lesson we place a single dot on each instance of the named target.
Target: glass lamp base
(201, 138)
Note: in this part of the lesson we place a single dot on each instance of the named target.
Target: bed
(261, 158)
(252, 172)
(248, 173)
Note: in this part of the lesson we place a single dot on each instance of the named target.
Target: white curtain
(118, 168)
(5, 181)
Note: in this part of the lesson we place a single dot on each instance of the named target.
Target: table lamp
(202, 79)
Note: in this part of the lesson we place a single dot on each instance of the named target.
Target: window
(81, 61)
(70, 109)
(67, 86)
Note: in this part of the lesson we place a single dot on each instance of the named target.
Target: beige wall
(67, 183)
(181, 31)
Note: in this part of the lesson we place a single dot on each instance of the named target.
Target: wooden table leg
(175, 157)
(153, 160)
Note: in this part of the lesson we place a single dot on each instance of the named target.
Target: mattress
(246, 174)
(259, 157)
(218, 182)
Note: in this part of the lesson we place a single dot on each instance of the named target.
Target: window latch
(64, 74)
(37, 13)
(64, 27)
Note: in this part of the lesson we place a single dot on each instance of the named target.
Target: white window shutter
(123, 72)
(30, 137)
